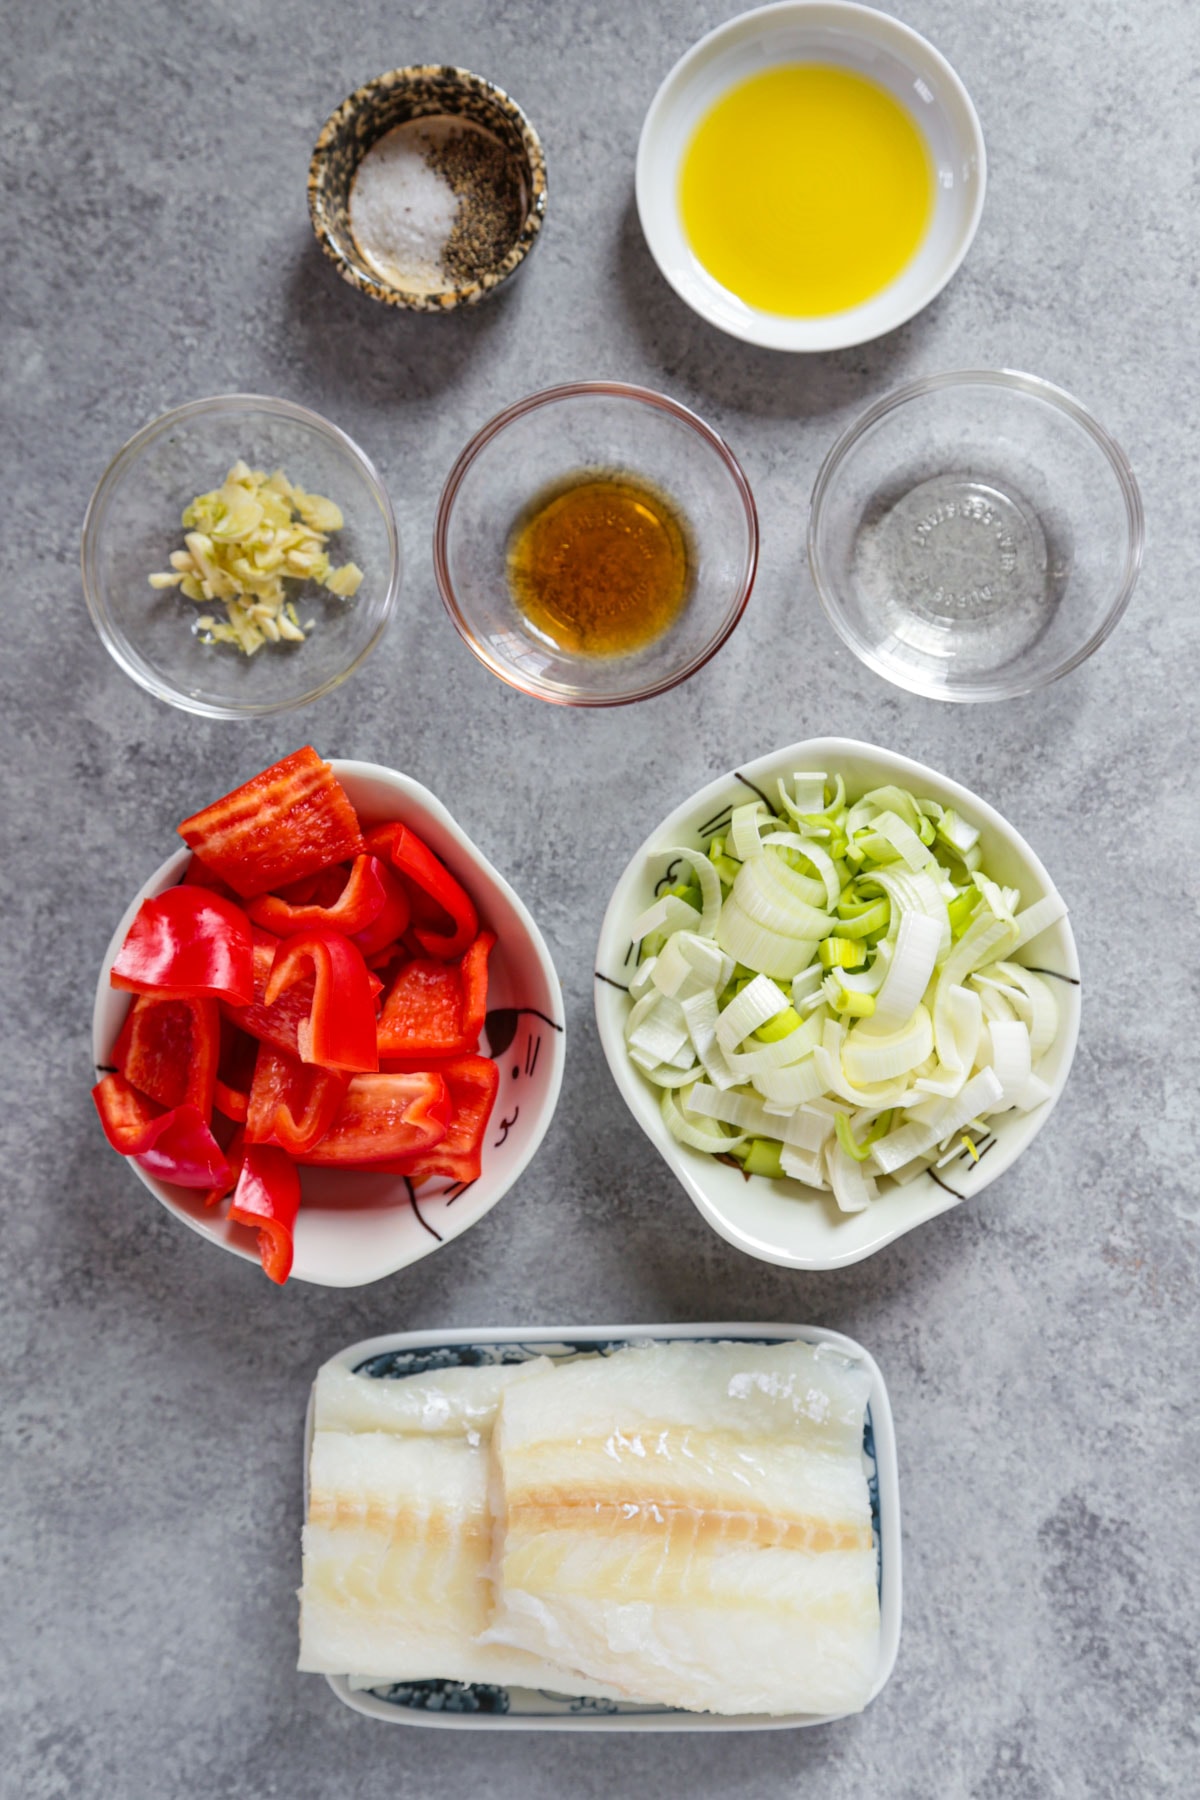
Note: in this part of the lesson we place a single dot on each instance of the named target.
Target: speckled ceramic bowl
(423, 91)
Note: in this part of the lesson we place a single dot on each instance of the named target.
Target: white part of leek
(1034, 1093)
(1033, 1000)
(774, 895)
(658, 1029)
(688, 963)
(745, 829)
(803, 1167)
(642, 980)
(917, 1138)
(744, 1111)
(852, 1188)
(807, 1127)
(957, 1023)
(758, 1001)
(1008, 1047)
(915, 892)
(793, 1086)
(700, 1135)
(820, 859)
(709, 883)
(870, 1054)
(669, 913)
(753, 944)
(781, 1054)
(1039, 917)
(808, 791)
(914, 957)
(806, 984)
(892, 828)
(701, 1013)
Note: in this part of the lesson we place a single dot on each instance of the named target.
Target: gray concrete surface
(1040, 1344)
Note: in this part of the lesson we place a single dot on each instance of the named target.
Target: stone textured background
(1040, 1345)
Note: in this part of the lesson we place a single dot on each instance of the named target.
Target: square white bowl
(457, 1706)
(785, 1222)
(356, 1227)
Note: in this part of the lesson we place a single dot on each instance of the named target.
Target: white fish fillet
(691, 1521)
(449, 1400)
(398, 1542)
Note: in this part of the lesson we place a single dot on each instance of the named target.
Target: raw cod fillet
(691, 1522)
(398, 1543)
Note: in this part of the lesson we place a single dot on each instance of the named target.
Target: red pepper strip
(175, 1145)
(436, 1008)
(417, 863)
(383, 1117)
(472, 1081)
(188, 944)
(292, 1103)
(360, 900)
(383, 932)
(267, 1199)
(290, 821)
(321, 889)
(168, 1049)
(235, 1069)
(339, 1032)
(235, 1152)
(278, 1024)
(198, 874)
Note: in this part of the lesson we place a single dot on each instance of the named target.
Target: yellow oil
(599, 564)
(806, 189)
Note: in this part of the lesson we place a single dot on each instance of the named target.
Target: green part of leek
(841, 953)
(853, 1004)
(762, 1157)
(860, 1150)
(781, 1026)
(873, 918)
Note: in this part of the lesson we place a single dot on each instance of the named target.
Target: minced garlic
(242, 543)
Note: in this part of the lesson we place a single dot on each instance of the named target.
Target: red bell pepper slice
(267, 1199)
(278, 1024)
(383, 1117)
(235, 1152)
(339, 1032)
(175, 1145)
(435, 1008)
(361, 897)
(292, 1103)
(289, 821)
(472, 1082)
(235, 1070)
(413, 860)
(384, 931)
(188, 944)
(169, 1049)
(198, 874)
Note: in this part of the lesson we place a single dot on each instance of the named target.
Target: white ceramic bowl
(454, 1706)
(355, 1228)
(783, 1221)
(851, 37)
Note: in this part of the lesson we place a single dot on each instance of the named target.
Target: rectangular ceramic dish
(478, 1707)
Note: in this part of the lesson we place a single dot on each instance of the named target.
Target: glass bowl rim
(573, 390)
(1013, 381)
(161, 687)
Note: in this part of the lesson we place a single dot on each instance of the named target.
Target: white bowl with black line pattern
(355, 1227)
(785, 1222)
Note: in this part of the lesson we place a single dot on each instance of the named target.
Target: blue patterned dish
(457, 1704)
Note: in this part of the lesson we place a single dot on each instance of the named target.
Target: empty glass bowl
(593, 428)
(975, 535)
(133, 525)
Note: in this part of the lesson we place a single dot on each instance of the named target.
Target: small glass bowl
(975, 535)
(593, 427)
(133, 525)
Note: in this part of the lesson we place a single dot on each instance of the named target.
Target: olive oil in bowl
(806, 189)
(600, 564)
